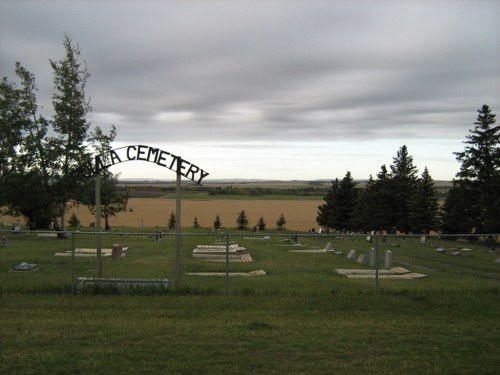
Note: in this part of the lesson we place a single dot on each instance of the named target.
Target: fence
(247, 262)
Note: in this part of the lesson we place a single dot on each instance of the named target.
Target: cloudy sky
(272, 89)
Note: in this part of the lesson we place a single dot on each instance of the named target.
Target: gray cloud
(289, 71)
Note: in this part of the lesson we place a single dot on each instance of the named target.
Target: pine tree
(242, 220)
(196, 224)
(340, 201)
(281, 222)
(171, 221)
(404, 182)
(325, 216)
(424, 208)
(217, 222)
(475, 189)
(261, 224)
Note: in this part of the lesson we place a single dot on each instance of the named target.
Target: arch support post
(178, 225)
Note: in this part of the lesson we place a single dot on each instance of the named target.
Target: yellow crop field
(155, 212)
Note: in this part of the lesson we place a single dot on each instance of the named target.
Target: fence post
(377, 287)
(73, 289)
(226, 237)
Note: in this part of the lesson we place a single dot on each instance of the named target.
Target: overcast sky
(272, 89)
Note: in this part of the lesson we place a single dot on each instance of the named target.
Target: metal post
(226, 235)
(98, 222)
(377, 288)
(178, 225)
(73, 289)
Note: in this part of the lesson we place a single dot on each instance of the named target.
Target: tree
(26, 158)
(325, 216)
(35, 152)
(171, 221)
(424, 209)
(217, 222)
(261, 224)
(69, 122)
(196, 224)
(337, 211)
(404, 181)
(74, 221)
(242, 220)
(281, 222)
(112, 200)
(475, 189)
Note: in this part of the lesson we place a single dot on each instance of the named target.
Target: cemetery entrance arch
(163, 159)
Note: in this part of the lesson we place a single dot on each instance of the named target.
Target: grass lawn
(301, 318)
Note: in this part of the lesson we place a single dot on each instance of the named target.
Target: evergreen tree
(171, 221)
(217, 222)
(404, 182)
(325, 216)
(461, 208)
(378, 205)
(337, 211)
(361, 214)
(424, 208)
(196, 224)
(261, 224)
(475, 189)
(242, 220)
(281, 222)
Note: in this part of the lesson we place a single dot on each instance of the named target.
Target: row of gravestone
(371, 258)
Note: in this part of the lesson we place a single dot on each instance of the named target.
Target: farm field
(301, 317)
(154, 212)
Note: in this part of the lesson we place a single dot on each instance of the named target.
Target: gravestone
(372, 257)
(441, 250)
(328, 246)
(5, 241)
(117, 251)
(388, 259)
(423, 239)
(352, 255)
(368, 238)
(362, 259)
(25, 267)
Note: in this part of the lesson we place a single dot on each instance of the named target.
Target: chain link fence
(246, 261)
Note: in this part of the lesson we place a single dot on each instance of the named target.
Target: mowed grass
(301, 318)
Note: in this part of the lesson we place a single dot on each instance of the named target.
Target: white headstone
(328, 246)
(423, 239)
(388, 259)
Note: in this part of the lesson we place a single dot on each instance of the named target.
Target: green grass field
(301, 318)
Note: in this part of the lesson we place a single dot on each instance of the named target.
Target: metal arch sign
(150, 154)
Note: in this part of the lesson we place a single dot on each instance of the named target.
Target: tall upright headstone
(388, 259)
(372, 257)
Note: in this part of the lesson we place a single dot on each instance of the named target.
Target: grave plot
(217, 253)
(117, 251)
(393, 273)
(246, 274)
(327, 249)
